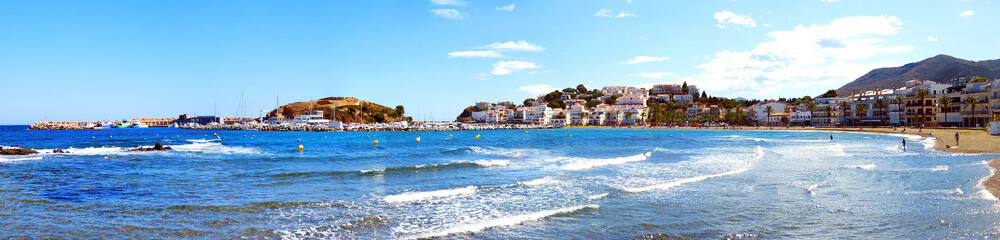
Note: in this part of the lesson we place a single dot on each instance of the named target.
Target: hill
(941, 68)
(348, 110)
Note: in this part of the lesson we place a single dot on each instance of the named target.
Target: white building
(758, 112)
(315, 118)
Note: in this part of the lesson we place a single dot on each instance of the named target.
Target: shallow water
(595, 184)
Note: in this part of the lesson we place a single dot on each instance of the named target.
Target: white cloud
(931, 39)
(476, 54)
(506, 8)
(966, 13)
(654, 75)
(522, 46)
(806, 60)
(642, 59)
(610, 13)
(508, 67)
(450, 14)
(448, 2)
(829, 0)
(537, 89)
(726, 18)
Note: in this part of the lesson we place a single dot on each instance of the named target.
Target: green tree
(861, 111)
(811, 106)
(592, 104)
(611, 100)
(922, 93)
(558, 103)
(901, 105)
(629, 115)
(829, 114)
(843, 107)
(684, 88)
(944, 102)
(970, 102)
(528, 101)
(829, 93)
(569, 90)
(768, 110)
(400, 110)
(880, 104)
(581, 89)
(785, 120)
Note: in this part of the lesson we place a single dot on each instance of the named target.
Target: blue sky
(93, 60)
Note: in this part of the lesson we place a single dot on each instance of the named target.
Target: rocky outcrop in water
(158, 147)
(15, 150)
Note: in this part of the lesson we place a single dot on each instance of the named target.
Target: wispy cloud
(537, 89)
(967, 13)
(654, 75)
(476, 54)
(726, 18)
(522, 46)
(931, 39)
(482, 76)
(450, 14)
(506, 8)
(508, 67)
(642, 59)
(448, 2)
(610, 13)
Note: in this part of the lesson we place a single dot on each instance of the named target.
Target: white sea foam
(540, 181)
(810, 189)
(869, 166)
(581, 164)
(491, 163)
(498, 222)
(211, 146)
(598, 196)
(939, 168)
(502, 151)
(18, 159)
(929, 143)
(683, 181)
(417, 196)
(664, 186)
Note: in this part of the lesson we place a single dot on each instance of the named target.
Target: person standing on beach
(956, 139)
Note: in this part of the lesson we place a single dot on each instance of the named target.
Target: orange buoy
(300, 148)
(375, 142)
(477, 136)
(418, 139)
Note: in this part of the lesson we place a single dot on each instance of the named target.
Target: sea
(496, 184)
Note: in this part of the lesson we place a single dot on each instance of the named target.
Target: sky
(98, 60)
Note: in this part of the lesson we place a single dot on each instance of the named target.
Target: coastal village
(968, 103)
(971, 103)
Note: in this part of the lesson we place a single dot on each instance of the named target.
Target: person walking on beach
(956, 139)
(904, 144)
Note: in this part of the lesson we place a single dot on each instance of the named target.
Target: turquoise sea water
(539, 184)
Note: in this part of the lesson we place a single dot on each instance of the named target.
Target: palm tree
(629, 115)
(861, 110)
(881, 104)
(584, 118)
(829, 114)
(768, 110)
(900, 101)
(843, 107)
(970, 102)
(922, 93)
(944, 102)
(811, 107)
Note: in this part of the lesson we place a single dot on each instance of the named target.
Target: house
(683, 99)
(828, 111)
(758, 112)
(775, 119)
(483, 105)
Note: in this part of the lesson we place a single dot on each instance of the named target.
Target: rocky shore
(15, 150)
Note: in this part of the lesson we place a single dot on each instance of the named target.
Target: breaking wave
(498, 222)
(583, 163)
(417, 196)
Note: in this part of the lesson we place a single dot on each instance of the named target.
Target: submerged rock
(59, 150)
(15, 150)
(158, 147)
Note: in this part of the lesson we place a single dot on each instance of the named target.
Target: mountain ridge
(940, 68)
